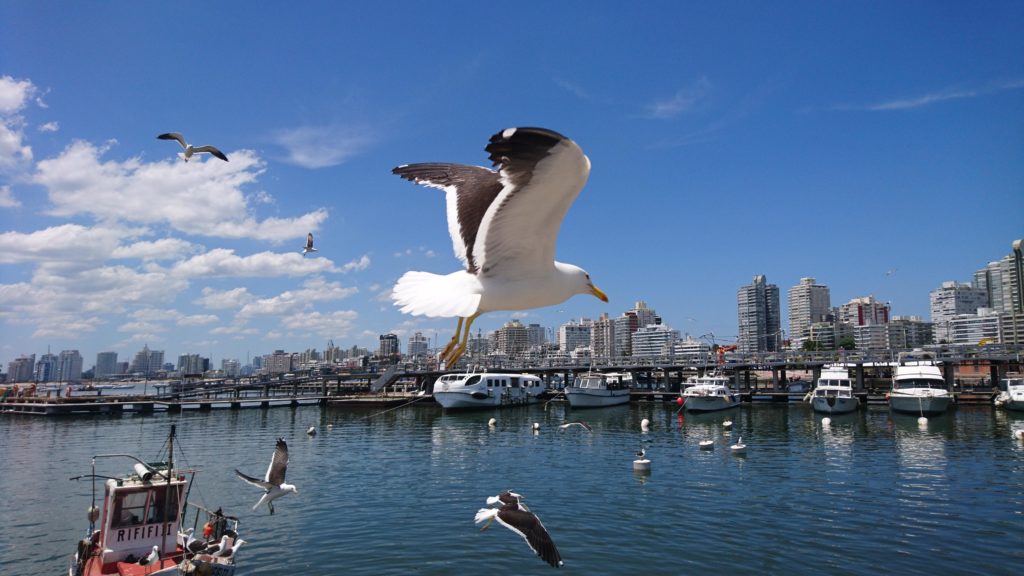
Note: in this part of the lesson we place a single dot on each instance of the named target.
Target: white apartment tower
(602, 337)
(418, 344)
(808, 303)
(573, 335)
(106, 365)
(951, 300)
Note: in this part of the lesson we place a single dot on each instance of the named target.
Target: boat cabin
(139, 512)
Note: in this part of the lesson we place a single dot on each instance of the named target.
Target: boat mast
(167, 493)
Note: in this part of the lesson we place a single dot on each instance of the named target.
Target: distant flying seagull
(309, 244)
(520, 520)
(190, 149)
(273, 483)
(503, 225)
(580, 423)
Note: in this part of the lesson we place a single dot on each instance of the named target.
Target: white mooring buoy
(642, 463)
(707, 444)
(492, 422)
(645, 424)
(739, 447)
(826, 421)
(922, 421)
(727, 424)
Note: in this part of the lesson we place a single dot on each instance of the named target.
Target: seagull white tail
(485, 514)
(426, 294)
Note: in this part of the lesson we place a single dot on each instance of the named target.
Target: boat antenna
(167, 490)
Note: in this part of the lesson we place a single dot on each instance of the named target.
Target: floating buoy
(826, 421)
(645, 424)
(739, 447)
(311, 431)
(922, 421)
(1018, 434)
(727, 424)
(330, 426)
(536, 426)
(707, 444)
(679, 401)
(492, 422)
(642, 463)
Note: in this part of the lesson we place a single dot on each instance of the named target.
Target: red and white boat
(145, 526)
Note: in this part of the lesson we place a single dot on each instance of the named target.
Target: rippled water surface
(395, 493)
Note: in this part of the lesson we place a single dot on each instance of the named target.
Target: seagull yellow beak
(598, 293)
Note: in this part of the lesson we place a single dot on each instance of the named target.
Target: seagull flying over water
(190, 149)
(309, 245)
(518, 518)
(273, 483)
(503, 225)
(579, 423)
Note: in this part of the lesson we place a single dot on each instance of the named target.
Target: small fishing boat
(1013, 397)
(918, 386)
(708, 393)
(487, 390)
(834, 392)
(140, 528)
(597, 390)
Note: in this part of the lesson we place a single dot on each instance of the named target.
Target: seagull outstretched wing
(254, 481)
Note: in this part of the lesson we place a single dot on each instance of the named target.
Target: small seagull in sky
(309, 245)
(273, 483)
(190, 149)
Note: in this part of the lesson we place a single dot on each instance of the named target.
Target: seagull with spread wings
(503, 224)
(517, 517)
(190, 149)
(273, 483)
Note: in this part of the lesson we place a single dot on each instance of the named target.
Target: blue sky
(838, 140)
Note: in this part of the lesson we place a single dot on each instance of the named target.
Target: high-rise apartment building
(573, 334)
(654, 340)
(809, 302)
(759, 317)
(147, 361)
(69, 367)
(47, 368)
(418, 344)
(864, 311)
(511, 339)
(954, 299)
(624, 327)
(21, 368)
(389, 346)
(106, 365)
(602, 337)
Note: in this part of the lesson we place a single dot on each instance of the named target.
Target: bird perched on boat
(309, 245)
(190, 149)
(273, 483)
(579, 423)
(503, 225)
(518, 518)
(151, 558)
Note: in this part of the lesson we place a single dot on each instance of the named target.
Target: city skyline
(873, 147)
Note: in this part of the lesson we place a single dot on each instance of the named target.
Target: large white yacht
(597, 390)
(487, 390)
(1013, 397)
(918, 386)
(708, 393)
(834, 392)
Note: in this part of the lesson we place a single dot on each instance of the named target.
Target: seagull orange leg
(455, 340)
(457, 353)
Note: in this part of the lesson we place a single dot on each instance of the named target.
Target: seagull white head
(578, 281)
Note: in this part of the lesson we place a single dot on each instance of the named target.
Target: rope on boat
(413, 401)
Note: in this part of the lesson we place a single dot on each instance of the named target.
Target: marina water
(395, 493)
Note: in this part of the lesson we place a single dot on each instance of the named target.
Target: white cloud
(936, 97)
(7, 199)
(140, 327)
(199, 197)
(49, 127)
(223, 299)
(321, 147)
(293, 301)
(197, 320)
(71, 243)
(337, 324)
(683, 100)
(14, 94)
(361, 264)
(162, 249)
(224, 263)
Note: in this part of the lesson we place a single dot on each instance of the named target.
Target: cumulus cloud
(683, 100)
(337, 324)
(64, 243)
(224, 262)
(14, 95)
(7, 199)
(49, 127)
(162, 249)
(292, 301)
(321, 147)
(224, 299)
(198, 197)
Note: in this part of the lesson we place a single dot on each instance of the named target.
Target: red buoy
(679, 401)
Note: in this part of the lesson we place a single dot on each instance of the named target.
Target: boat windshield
(920, 383)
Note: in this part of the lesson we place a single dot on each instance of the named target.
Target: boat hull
(596, 398)
(924, 405)
(710, 404)
(474, 400)
(835, 405)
